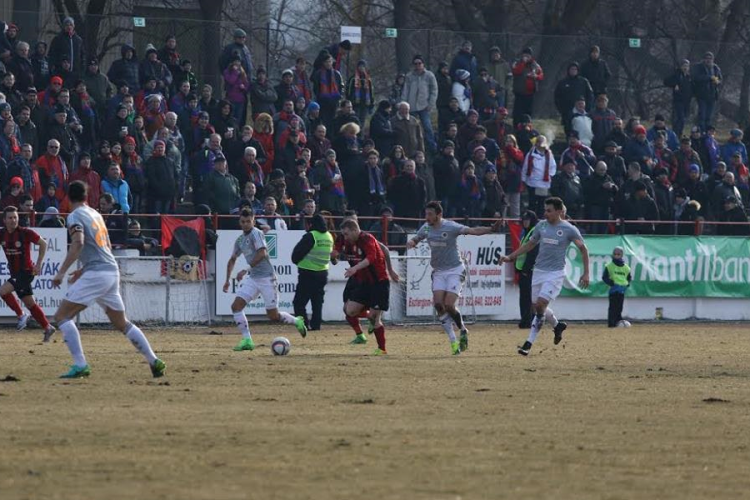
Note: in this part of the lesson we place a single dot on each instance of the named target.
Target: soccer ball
(624, 324)
(280, 346)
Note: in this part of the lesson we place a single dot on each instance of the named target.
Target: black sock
(456, 316)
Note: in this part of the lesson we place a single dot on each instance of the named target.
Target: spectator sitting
(495, 205)
(471, 194)
(733, 213)
(642, 208)
(397, 235)
(115, 220)
(47, 200)
(136, 239)
(12, 197)
(51, 218)
(269, 220)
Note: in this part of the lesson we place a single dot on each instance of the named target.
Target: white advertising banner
(47, 296)
(280, 245)
(484, 288)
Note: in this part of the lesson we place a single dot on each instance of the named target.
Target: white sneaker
(48, 332)
(22, 322)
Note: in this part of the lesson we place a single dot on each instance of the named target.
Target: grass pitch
(656, 411)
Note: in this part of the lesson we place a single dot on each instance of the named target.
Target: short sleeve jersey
(366, 247)
(97, 249)
(553, 241)
(443, 247)
(17, 247)
(248, 245)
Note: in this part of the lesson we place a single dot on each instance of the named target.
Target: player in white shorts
(448, 272)
(97, 280)
(553, 237)
(258, 280)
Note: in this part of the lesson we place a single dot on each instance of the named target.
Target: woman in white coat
(462, 89)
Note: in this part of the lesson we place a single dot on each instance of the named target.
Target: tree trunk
(211, 10)
(403, 42)
(743, 113)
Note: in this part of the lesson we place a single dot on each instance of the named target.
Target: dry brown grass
(607, 414)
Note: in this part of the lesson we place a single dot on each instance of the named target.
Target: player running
(97, 280)
(259, 279)
(448, 271)
(368, 286)
(17, 243)
(553, 237)
(343, 250)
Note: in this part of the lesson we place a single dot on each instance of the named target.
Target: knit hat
(150, 48)
(694, 168)
(640, 129)
(57, 80)
(129, 140)
(528, 51)
(286, 72)
(158, 142)
(330, 152)
(239, 33)
(313, 106)
(735, 132)
(69, 20)
(490, 169)
(276, 174)
(573, 133)
(120, 108)
(462, 75)
(4, 106)
(494, 48)
(16, 181)
(479, 148)
(659, 118)
(610, 144)
(448, 144)
(93, 61)
(59, 109)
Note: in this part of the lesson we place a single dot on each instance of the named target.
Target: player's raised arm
(482, 230)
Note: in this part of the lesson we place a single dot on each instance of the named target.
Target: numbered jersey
(97, 250)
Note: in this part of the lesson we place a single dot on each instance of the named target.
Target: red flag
(515, 229)
(180, 237)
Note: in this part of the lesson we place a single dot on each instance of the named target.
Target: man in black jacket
(641, 207)
(67, 44)
(681, 83)
(312, 256)
(733, 212)
(568, 91)
(596, 71)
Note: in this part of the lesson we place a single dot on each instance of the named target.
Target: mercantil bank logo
(271, 243)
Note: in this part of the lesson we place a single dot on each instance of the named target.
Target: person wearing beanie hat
(484, 91)
(596, 71)
(221, 189)
(660, 125)
(681, 83)
(263, 96)
(499, 71)
(707, 81)
(67, 45)
(569, 90)
(462, 90)
(301, 79)
(639, 150)
(420, 92)
(286, 90)
(238, 48)
(360, 91)
(152, 67)
(495, 203)
(527, 74)
(734, 145)
(617, 277)
(684, 157)
(465, 60)
(237, 86)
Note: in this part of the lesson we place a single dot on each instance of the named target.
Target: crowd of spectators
(148, 137)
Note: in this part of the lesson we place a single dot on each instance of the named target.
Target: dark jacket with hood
(68, 47)
(445, 86)
(569, 89)
(126, 70)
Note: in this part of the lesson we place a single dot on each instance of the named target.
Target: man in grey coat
(420, 91)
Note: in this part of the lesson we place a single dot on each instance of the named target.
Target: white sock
(447, 323)
(549, 317)
(287, 318)
(536, 325)
(72, 338)
(241, 320)
(139, 340)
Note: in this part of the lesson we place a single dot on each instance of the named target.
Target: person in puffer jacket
(117, 187)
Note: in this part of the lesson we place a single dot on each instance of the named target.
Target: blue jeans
(429, 135)
(705, 112)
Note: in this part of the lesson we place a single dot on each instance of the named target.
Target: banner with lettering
(47, 296)
(484, 288)
(666, 266)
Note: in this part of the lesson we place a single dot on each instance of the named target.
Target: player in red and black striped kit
(368, 285)
(16, 242)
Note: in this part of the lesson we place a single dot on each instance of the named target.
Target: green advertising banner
(666, 266)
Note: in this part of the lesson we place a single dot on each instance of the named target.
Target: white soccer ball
(624, 324)
(280, 346)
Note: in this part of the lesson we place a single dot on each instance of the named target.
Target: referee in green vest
(525, 270)
(313, 256)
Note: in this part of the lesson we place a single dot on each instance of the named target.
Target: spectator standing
(465, 60)
(420, 92)
(239, 49)
(640, 150)
(262, 94)
(286, 90)
(67, 45)
(328, 89)
(221, 189)
(722, 191)
(445, 89)
(602, 123)
(509, 166)
(376, 185)
(599, 192)
(499, 70)
(40, 63)
(596, 71)
(707, 80)
(152, 67)
(580, 155)
(171, 58)
(408, 194)
(408, 130)
(526, 77)
(683, 159)
(22, 68)
(85, 173)
(21, 167)
(525, 267)
(327, 175)
(664, 199)
(126, 69)
(462, 91)
(566, 185)
(641, 209)
(236, 84)
(660, 125)
(360, 92)
(681, 83)
(114, 185)
(161, 176)
(495, 205)
(381, 127)
(569, 90)
(53, 169)
(734, 145)
(537, 171)
(447, 176)
(301, 80)
(471, 194)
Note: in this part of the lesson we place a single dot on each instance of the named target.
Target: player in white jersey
(553, 236)
(258, 280)
(97, 280)
(448, 272)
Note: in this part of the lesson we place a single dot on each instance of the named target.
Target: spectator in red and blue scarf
(328, 88)
(471, 194)
(327, 175)
(360, 92)
(302, 80)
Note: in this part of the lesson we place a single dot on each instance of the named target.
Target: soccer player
(17, 243)
(368, 286)
(97, 280)
(259, 279)
(553, 236)
(448, 271)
